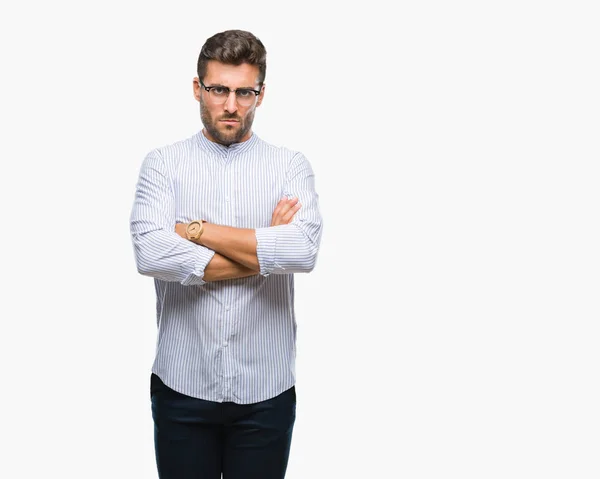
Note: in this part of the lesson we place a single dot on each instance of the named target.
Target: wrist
(180, 229)
(194, 231)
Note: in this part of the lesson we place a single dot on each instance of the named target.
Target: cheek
(212, 112)
(248, 115)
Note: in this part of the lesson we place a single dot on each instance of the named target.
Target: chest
(242, 192)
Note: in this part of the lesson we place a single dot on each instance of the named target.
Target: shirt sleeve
(293, 248)
(159, 251)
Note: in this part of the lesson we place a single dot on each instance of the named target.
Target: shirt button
(227, 199)
(225, 344)
(227, 307)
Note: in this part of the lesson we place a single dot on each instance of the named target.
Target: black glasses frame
(229, 90)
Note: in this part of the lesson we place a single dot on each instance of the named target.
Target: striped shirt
(231, 340)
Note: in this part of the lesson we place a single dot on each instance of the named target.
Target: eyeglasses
(219, 94)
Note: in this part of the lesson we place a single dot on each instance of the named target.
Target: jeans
(198, 439)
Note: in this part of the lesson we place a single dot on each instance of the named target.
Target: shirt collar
(221, 150)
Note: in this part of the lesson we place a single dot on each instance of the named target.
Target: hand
(284, 211)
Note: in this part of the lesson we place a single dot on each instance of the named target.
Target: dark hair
(234, 47)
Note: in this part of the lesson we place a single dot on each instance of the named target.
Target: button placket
(228, 192)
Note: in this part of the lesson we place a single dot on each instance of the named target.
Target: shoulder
(278, 152)
(170, 155)
(178, 149)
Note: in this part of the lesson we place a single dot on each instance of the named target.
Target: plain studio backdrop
(450, 328)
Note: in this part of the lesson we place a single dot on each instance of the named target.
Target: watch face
(193, 228)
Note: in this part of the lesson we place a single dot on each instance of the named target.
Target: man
(222, 221)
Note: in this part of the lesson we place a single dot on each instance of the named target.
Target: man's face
(227, 122)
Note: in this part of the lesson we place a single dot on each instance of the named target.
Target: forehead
(231, 75)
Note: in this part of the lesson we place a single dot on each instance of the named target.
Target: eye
(243, 93)
(220, 90)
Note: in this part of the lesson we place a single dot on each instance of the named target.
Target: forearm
(162, 255)
(237, 244)
(221, 267)
(281, 248)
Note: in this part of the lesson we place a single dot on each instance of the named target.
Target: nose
(231, 103)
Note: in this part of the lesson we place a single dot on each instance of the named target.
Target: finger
(290, 203)
(280, 205)
(289, 216)
(282, 208)
(286, 206)
(281, 202)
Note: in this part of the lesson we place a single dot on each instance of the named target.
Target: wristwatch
(194, 230)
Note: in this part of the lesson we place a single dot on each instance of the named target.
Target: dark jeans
(198, 439)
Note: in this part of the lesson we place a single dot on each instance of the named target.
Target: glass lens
(244, 96)
(219, 94)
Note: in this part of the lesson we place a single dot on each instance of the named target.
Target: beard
(225, 134)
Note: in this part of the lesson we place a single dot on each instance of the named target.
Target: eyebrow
(240, 88)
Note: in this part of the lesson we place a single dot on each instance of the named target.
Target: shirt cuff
(194, 270)
(266, 244)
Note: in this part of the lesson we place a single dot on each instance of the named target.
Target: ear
(261, 96)
(197, 88)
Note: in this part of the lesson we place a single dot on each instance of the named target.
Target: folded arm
(238, 245)
(220, 267)
(284, 247)
(162, 253)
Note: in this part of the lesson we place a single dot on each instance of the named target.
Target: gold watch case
(193, 231)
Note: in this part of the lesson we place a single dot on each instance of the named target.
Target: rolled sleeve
(293, 248)
(159, 251)
(194, 270)
(266, 245)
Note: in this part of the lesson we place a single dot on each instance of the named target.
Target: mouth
(229, 122)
